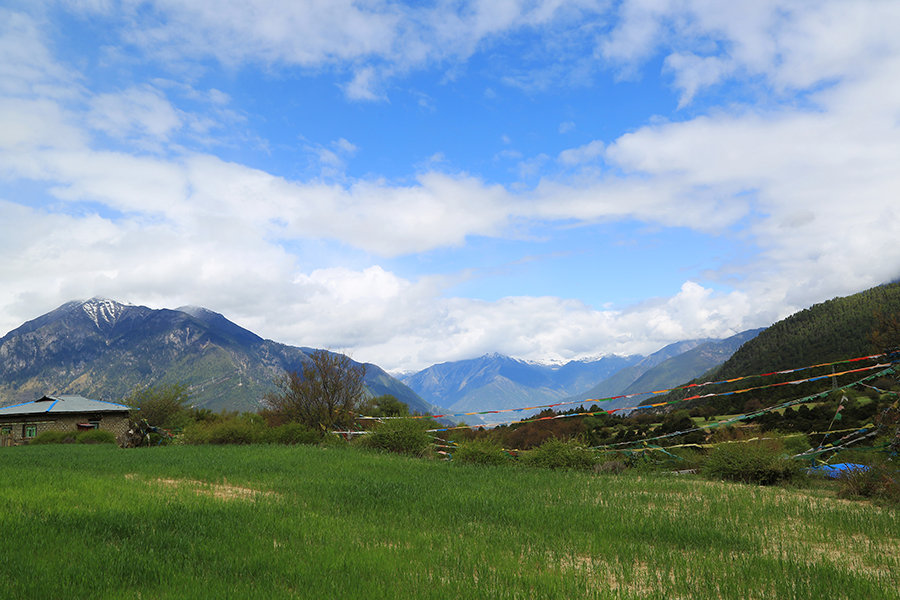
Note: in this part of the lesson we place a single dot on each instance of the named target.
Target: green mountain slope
(103, 349)
(838, 329)
(833, 330)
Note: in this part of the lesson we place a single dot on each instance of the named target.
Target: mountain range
(103, 349)
(495, 381)
(671, 366)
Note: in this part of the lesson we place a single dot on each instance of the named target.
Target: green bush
(54, 437)
(91, 436)
(762, 462)
(229, 431)
(481, 452)
(675, 459)
(294, 433)
(557, 454)
(235, 431)
(96, 436)
(196, 433)
(403, 436)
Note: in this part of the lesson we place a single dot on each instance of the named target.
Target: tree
(384, 406)
(324, 394)
(163, 405)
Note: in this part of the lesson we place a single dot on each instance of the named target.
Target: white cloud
(371, 313)
(813, 188)
(140, 111)
(581, 154)
(27, 66)
(379, 39)
(344, 146)
(795, 45)
(364, 85)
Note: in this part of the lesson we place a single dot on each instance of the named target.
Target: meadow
(315, 522)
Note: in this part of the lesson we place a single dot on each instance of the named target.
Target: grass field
(308, 522)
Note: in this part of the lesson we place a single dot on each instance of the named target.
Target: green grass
(308, 522)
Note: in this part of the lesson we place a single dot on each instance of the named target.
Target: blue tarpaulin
(835, 471)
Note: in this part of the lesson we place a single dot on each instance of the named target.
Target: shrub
(481, 452)
(557, 454)
(164, 405)
(878, 481)
(196, 433)
(677, 459)
(762, 462)
(403, 436)
(96, 436)
(54, 437)
(295, 433)
(235, 431)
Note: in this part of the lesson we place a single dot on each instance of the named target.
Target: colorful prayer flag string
(745, 416)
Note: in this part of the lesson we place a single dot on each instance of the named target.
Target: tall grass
(309, 522)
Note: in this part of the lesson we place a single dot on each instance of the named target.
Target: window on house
(6, 430)
(30, 431)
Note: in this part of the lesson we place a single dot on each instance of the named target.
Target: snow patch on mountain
(103, 312)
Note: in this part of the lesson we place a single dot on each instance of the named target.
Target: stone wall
(117, 423)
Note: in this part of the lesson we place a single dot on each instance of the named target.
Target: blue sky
(413, 183)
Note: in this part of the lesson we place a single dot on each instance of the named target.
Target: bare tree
(323, 395)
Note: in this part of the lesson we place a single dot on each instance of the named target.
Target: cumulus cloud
(793, 45)
(810, 184)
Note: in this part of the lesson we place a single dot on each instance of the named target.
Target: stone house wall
(18, 425)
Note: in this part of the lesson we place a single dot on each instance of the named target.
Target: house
(21, 422)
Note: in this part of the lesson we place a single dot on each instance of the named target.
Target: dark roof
(62, 404)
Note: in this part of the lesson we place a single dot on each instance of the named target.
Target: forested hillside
(842, 328)
(833, 330)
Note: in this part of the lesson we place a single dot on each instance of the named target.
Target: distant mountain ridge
(495, 381)
(101, 348)
(678, 369)
(499, 376)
